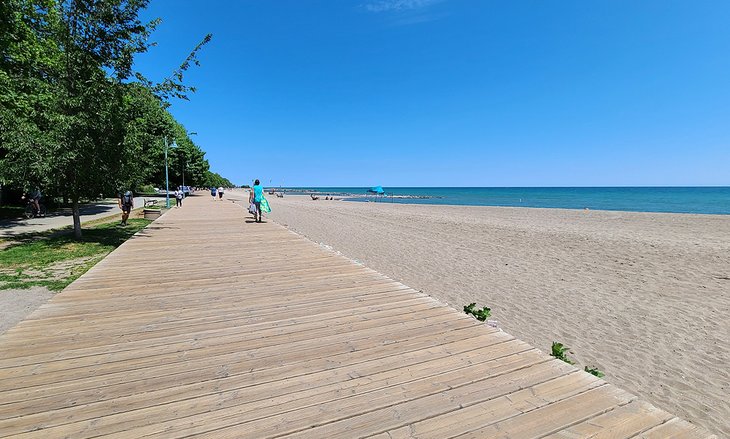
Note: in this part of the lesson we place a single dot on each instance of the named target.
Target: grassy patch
(57, 261)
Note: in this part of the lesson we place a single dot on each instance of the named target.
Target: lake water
(705, 200)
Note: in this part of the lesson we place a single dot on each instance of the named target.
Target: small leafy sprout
(594, 371)
(559, 351)
(479, 314)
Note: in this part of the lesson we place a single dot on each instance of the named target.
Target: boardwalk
(208, 325)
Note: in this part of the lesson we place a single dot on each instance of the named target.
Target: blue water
(706, 200)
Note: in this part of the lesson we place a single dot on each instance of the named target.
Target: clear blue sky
(455, 92)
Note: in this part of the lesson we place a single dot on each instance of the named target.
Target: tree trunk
(77, 218)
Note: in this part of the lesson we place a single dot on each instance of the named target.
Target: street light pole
(167, 181)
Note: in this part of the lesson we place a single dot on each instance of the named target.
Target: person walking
(179, 196)
(212, 192)
(35, 196)
(220, 193)
(258, 194)
(126, 203)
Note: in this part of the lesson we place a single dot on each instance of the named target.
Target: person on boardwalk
(126, 203)
(179, 194)
(258, 194)
(220, 193)
(212, 192)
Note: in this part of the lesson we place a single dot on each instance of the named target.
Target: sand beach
(644, 297)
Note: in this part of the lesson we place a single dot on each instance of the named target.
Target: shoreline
(348, 199)
(640, 295)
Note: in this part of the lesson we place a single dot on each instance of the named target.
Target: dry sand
(644, 297)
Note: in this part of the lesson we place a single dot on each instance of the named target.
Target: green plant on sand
(479, 314)
(594, 371)
(559, 351)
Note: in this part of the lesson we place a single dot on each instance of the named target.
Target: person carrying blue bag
(258, 196)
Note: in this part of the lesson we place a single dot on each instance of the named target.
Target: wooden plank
(623, 422)
(177, 402)
(488, 402)
(676, 428)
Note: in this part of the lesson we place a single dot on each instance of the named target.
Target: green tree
(213, 179)
(71, 121)
(147, 122)
(100, 39)
(30, 66)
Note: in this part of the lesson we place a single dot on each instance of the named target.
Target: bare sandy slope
(644, 297)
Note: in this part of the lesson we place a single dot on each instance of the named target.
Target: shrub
(479, 314)
(559, 351)
(594, 371)
(146, 189)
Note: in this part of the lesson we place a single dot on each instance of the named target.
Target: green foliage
(213, 179)
(594, 371)
(75, 119)
(479, 314)
(559, 352)
(57, 261)
(146, 189)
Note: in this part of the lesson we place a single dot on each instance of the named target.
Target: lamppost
(167, 181)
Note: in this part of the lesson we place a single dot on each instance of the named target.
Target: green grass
(57, 261)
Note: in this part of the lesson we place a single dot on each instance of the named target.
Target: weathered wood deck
(208, 325)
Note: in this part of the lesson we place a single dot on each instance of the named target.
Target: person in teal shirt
(258, 194)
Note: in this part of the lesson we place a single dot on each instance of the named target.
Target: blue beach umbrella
(377, 190)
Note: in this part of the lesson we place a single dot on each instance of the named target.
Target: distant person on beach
(179, 196)
(220, 193)
(258, 194)
(212, 192)
(126, 203)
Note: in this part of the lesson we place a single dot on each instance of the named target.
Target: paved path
(254, 332)
(63, 218)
